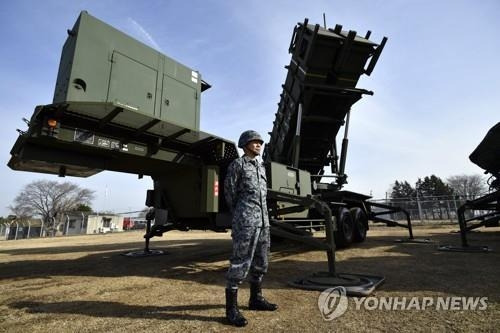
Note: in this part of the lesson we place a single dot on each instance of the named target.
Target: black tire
(345, 228)
(360, 224)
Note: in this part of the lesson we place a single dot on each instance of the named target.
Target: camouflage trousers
(250, 249)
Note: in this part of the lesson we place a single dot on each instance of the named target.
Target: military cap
(248, 136)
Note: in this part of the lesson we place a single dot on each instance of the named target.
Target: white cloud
(142, 34)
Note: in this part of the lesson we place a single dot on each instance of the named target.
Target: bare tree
(50, 199)
(21, 212)
(468, 186)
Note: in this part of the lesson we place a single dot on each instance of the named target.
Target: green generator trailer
(120, 105)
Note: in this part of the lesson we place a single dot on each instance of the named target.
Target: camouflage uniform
(245, 190)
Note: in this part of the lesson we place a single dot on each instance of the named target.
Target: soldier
(245, 189)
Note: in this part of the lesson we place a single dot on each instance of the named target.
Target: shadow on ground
(120, 310)
(407, 267)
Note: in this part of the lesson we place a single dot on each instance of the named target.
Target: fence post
(81, 224)
(419, 208)
(449, 210)
(54, 230)
(17, 230)
(67, 224)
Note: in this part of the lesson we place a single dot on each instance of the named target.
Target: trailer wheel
(345, 228)
(360, 224)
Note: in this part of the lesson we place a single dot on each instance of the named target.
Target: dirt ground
(83, 284)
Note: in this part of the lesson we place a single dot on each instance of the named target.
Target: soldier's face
(253, 148)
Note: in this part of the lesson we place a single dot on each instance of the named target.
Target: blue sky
(436, 84)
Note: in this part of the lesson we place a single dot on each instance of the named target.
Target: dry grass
(83, 284)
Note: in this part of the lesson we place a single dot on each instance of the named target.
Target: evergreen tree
(402, 189)
(433, 186)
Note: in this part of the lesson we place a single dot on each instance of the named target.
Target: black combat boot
(257, 301)
(233, 314)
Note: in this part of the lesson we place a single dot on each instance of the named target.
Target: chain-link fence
(436, 209)
(67, 224)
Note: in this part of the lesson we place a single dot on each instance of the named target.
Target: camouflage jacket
(245, 189)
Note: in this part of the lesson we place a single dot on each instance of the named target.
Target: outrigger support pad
(466, 249)
(415, 241)
(354, 284)
(144, 253)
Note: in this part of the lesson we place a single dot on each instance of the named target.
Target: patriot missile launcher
(122, 106)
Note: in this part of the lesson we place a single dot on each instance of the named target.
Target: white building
(92, 224)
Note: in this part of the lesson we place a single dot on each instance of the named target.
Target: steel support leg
(146, 252)
(148, 230)
(354, 284)
(487, 202)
